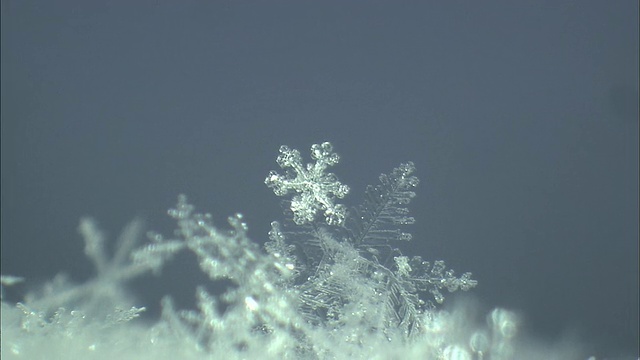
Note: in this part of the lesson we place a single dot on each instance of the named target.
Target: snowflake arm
(432, 278)
(314, 189)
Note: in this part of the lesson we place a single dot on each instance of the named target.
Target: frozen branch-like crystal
(377, 220)
(106, 289)
(432, 278)
(314, 189)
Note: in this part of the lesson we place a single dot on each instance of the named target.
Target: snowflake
(315, 190)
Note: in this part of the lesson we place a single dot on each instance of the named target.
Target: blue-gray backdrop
(521, 117)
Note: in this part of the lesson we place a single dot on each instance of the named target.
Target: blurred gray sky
(521, 116)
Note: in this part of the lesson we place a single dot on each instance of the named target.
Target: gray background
(521, 117)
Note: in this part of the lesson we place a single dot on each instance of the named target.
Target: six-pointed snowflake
(315, 190)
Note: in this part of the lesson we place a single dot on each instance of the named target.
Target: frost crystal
(106, 289)
(314, 291)
(344, 275)
(315, 190)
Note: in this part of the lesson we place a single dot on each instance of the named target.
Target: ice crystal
(376, 220)
(432, 278)
(332, 288)
(314, 189)
(253, 304)
(345, 278)
(105, 291)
